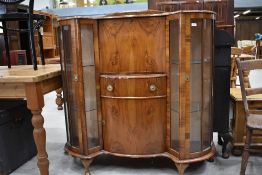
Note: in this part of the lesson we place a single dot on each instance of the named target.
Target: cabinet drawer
(133, 86)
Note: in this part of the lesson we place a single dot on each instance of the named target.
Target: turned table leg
(86, 163)
(35, 102)
(59, 99)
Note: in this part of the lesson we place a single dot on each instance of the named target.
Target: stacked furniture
(50, 44)
(139, 84)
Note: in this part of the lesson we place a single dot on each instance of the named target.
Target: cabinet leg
(181, 167)
(59, 99)
(86, 163)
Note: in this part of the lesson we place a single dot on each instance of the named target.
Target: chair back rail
(11, 1)
(251, 64)
(243, 66)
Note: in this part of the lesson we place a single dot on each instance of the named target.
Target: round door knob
(110, 88)
(152, 88)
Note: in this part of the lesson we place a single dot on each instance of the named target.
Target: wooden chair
(35, 21)
(253, 118)
(235, 53)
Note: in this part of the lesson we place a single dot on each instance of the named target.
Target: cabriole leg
(181, 167)
(86, 163)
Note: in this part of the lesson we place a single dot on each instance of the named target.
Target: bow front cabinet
(139, 84)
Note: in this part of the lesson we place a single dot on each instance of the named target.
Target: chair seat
(16, 16)
(254, 121)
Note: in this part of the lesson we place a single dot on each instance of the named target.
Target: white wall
(40, 4)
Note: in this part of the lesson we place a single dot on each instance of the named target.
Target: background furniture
(17, 57)
(252, 118)
(16, 135)
(29, 17)
(23, 82)
(235, 53)
(223, 8)
(238, 120)
(258, 49)
(50, 39)
(129, 98)
(238, 53)
(222, 64)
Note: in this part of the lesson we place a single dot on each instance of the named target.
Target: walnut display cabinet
(138, 85)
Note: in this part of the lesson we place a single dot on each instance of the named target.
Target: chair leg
(32, 43)
(40, 43)
(7, 51)
(245, 154)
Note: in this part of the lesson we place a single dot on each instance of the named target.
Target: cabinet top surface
(26, 73)
(235, 94)
(135, 13)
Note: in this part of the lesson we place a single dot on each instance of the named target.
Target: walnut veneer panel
(130, 45)
(134, 126)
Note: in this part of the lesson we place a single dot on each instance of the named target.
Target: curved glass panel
(196, 85)
(174, 57)
(89, 78)
(207, 84)
(69, 87)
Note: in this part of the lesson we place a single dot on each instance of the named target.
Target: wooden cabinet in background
(50, 44)
(139, 84)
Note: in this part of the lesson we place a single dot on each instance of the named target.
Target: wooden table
(24, 82)
(238, 121)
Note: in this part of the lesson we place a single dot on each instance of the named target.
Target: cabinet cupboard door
(129, 45)
(136, 127)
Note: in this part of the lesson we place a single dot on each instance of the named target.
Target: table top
(26, 73)
(235, 94)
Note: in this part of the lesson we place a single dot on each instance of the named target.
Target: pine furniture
(24, 82)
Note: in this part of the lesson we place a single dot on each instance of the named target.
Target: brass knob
(110, 88)
(152, 88)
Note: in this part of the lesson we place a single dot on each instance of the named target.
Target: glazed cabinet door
(90, 83)
(70, 85)
(191, 62)
(80, 86)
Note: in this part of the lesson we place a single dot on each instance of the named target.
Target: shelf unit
(50, 44)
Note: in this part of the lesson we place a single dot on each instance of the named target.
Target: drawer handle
(110, 88)
(152, 88)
